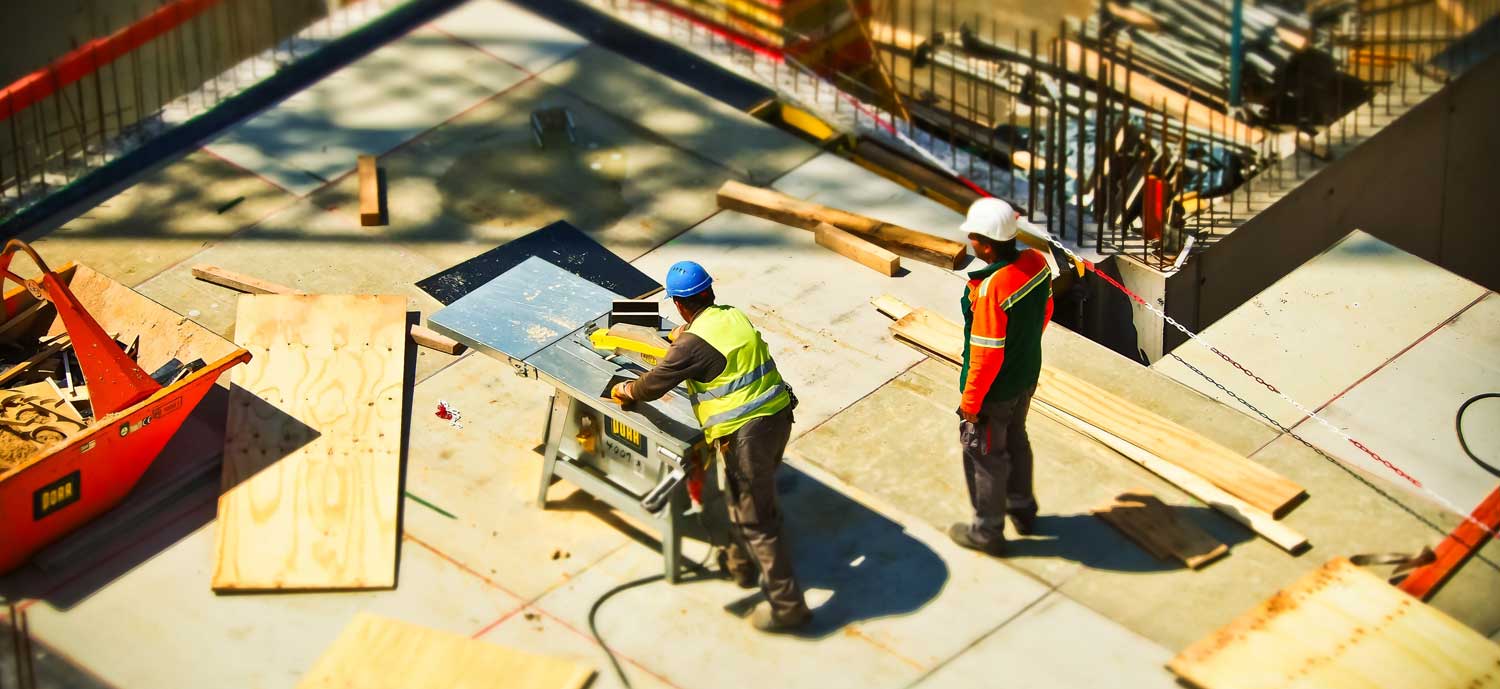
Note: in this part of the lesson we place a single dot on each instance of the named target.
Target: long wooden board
(1251, 518)
(1155, 526)
(857, 250)
(379, 653)
(787, 210)
(312, 452)
(1235, 473)
(240, 282)
(1340, 627)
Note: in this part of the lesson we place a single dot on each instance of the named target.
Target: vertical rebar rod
(1031, 133)
(99, 106)
(1078, 176)
(114, 80)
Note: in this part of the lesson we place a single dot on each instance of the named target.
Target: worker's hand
(676, 333)
(968, 416)
(620, 393)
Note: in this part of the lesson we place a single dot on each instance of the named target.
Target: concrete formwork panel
(510, 33)
(1058, 643)
(160, 625)
(481, 180)
(1405, 411)
(486, 474)
(166, 217)
(408, 86)
(1320, 329)
(752, 150)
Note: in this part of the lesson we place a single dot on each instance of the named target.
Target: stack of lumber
(379, 653)
(1229, 482)
(312, 450)
(1340, 626)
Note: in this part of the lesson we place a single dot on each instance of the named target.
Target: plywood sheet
(1341, 627)
(1155, 526)
(379, 653)
(312, 455)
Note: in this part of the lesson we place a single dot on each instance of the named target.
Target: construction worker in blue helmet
(745, 409)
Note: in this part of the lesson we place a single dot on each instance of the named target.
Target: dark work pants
(997, 466)
(751, 456)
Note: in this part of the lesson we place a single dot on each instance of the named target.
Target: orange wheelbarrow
(73, 480)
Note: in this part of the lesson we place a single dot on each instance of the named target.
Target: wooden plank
(1156, 527)
(312, 451)
(858, 250)
(11, 326)
(369, 192)
(420, 334)
(774, 205)
(1456, 549)
(379, 653)
(1340, 627)
(1221, 466)
(1247, 515)
(1265, 489)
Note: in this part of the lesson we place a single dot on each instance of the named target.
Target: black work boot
(960, 535)
(1025, 522)
(764, 619)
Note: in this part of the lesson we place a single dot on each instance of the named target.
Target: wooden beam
(1246, 514)
(369, 191)
(1155, 526)
(857, 250)
(774, 205)
(240, 282)
(1456, 549)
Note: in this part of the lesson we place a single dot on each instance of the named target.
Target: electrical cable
(1458, 427)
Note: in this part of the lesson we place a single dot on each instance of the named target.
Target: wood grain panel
(1340, 627)
(312, 454)
(378, 653)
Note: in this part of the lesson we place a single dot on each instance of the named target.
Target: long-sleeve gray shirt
(690, 357)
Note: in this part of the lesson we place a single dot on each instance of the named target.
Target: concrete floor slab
(510, 33)
(752, 150)
(163, 218)
(487, 474)
(1058, 643)
(160, 625)
(1405, 411)
(1320, 329)
(538, 632)
(811, 305)
(480, 180)
(374, 104)
(305, 248)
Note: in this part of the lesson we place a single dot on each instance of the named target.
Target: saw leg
(557, 420)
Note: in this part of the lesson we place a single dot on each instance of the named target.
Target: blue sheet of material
(523, 310)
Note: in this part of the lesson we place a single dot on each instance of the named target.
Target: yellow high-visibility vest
(750, 386)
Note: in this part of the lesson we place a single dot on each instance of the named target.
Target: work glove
(620, 393)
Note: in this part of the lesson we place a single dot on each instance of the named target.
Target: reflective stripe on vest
(748, 387)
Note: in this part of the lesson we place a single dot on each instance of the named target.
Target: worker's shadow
(1090, 541)
(872, 566)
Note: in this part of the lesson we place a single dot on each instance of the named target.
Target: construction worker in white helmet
(745, 409)
(1007, 305)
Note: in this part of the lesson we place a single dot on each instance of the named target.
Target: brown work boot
(1025, 522)
(764, 619)
(960, 535)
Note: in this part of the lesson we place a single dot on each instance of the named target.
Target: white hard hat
(991, 218)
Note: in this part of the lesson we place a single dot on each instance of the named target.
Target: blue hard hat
(686, 278)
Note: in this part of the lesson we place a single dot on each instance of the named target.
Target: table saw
(538, 318)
